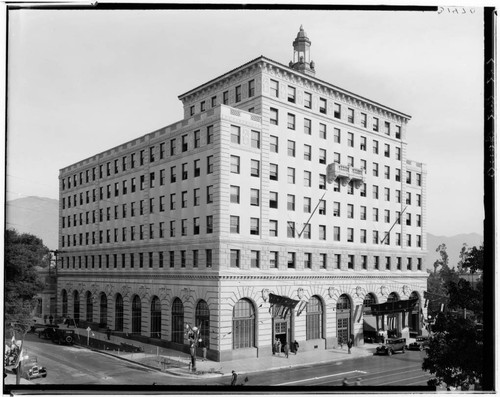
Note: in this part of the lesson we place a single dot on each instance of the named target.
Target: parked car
(421, 343)
(47, 332)
(392, 345)
(64, 336)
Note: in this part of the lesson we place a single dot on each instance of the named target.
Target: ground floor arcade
(240, 317)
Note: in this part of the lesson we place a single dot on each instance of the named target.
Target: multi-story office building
(280, 206)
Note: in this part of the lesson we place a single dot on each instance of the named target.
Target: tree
(455, 354)
(23, 252)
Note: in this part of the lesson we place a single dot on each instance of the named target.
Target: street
(71, 365)
(77, 365)
(399, 370)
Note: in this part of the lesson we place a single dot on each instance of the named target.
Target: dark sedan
(421, 343)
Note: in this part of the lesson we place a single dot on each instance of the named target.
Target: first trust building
(280, 206)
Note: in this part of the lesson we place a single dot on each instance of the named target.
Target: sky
(83, 81)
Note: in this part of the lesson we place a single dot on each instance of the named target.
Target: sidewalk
(177, 363)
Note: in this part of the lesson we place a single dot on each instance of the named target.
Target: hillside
(453, 246)
(34, 215)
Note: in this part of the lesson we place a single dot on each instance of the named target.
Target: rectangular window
(291, 121)
(336, 135)
(254, 226)
(255, 259)
(350, 115)
(225, 97)
(196, 140)
(291, 175)
(273, 144)
(172, 201)
(183, 258)
(274, 87)
(291, 202)
(273, 172)
(375, 124)
(307, 260)
(255, 140)
(208, 257)
(336, 111)
(307, 178)
(235, 164)
(322, 156)
(235, 224)
(387, 150)
(307, 205)
(376, 262)
(237, 93)
(350, 261)
(375, 237)
(273, 116)
(398, 132)
(291, 260)
(273, 199)
(235, 258)
(255, 168)
(336, 233)
(273, 259)
(210, 224)
(173, 177)
(273, 228)
(307, 100)
(350, 210)
(408, 263)
(184, 227)
(387, 128)
(162, 153)
(235, 194)
(291, 94)
(350, 234)
(235, 134)
(322, 131)
(338, 261)
(336, 208)
(196, 226)
(387, 194)
(210, 134)
(184, 171)
(307, 151)
(251, 88)
(196, 197)
(375, 191)
(307, 126)
(290, 229)
(322, 181)
(254, 197)
(375, 214)
(362, 236)
(171, 258)
(388, 263)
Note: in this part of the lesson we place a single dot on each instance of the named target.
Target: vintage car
(421, 343)
(64, 336)
(392, 345)
(30, 369)
(48, 332)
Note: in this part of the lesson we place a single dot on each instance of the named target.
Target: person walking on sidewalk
(295, 347)
(278, 347)
(341, 342)
(108, 333)
(349, 345)
(234, 378)
(286, 349)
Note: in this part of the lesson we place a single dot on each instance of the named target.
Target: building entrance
(282, 315)
(281, 330)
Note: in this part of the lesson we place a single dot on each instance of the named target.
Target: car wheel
(69, 339)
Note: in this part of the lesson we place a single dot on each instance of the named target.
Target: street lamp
(194, 339)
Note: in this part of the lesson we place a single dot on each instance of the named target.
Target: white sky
(81, 82)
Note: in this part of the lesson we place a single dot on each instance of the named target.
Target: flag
(302, 305)
(361, 313)
(426, 302)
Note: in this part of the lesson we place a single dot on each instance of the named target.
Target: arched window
(156, 318)
(64, 303)
(393, 297)
(136, 315)
(177, 321)
(76, 307)
(90, 306)
(243, 324)
(370, 299)
(314, 318)
(118, 313)
(202, 319)
(103, 310)
(343, 303)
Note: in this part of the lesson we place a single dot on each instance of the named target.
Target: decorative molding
(300, 293)
(265, 294)
(384, 291)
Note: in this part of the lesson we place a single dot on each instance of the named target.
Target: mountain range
(39, 216)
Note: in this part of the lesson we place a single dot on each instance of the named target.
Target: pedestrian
(51, 319)
(234, 378)
(204, 350)
(108, 333)
(192, 351)
(357, 382)
(345, 383)
(45, 319)
(349, 345)
(295, 347)
(341, 342)
(278, 347)
(286, 349)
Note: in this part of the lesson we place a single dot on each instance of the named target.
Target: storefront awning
(282, 301)
(369, 323)
(393, 307)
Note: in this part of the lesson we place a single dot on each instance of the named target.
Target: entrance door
(280, 331)
(343, 328)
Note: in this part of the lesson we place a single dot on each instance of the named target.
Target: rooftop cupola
(301, 54)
